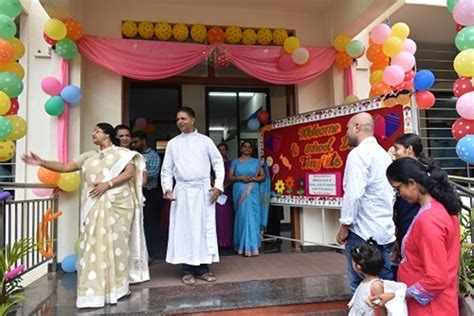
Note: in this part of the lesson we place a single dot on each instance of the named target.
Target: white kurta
(192, 232)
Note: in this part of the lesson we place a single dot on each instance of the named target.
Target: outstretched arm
(34, 159)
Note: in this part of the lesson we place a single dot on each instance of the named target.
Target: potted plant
(466, 265)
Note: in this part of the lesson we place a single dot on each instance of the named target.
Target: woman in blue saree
(250, 194)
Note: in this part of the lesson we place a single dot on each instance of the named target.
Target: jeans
(355, 278)
(195, 270)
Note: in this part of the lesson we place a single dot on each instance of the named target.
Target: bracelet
(111, 184)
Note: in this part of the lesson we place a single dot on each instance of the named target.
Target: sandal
(208, 277)
(188, 279)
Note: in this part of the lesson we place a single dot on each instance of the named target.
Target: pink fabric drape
(348, 81)
(63, 119)
(154, 60)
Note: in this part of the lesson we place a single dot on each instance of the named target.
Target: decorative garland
(45, 244)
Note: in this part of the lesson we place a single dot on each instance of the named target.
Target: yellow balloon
(464, 63)
(163, 31)
(233, 34)
(5, 103)
(249, 37)
(198, 33)
(392, 46)
(400, 30)
(341, 41)
(376, 77)
(15, 68)
(129, 29)
(146, 29)
(264, 36)
(279, 36)
(7, 150)
(180, 32)
(290, 44)
(18, 47)
(19, 127)
(55, 29)
(69, 181)
(351, 99)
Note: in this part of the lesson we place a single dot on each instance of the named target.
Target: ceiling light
(222, 94)
(216, 128)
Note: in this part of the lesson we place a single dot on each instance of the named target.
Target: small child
(367, 260)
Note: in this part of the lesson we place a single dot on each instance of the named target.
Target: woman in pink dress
(431, 247)
(225, 213)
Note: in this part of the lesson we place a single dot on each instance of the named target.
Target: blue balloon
(71, 94)
(69, 263)
(465, 149)
(253, 124)
(423, 80)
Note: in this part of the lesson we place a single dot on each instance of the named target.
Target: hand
(342, 235)
(245, 179)
(32, 159)
(380, 300)
(169, 196)
(99, 189)
(395, 252)
(214, 194)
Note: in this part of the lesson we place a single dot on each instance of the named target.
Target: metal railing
(20, 219)
(463, 186)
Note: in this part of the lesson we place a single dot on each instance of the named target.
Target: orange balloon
(343, 60)
(215, 35)
(7, 52)
(379, 65)
(380, 89)
(374, 52)
(74, 29)
(371, 42)
(47, 176)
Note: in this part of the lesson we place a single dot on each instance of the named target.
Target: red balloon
(223, 60)
(462, 127)
(49, 40)
(462, 85)
(459, 27)
(409, 75)
(15, 106)
(425, 99)
(263, 117)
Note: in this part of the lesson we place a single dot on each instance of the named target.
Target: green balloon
(12, 8)
(465, 38)
(451, 4)
(10, 84)
(76, 247)
(7, 27)
(355, 48)
(66, 48)
(5, 127)
(54, 106)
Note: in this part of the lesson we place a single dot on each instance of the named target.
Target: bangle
(111, 184)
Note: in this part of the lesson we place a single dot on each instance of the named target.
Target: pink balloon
(51, 86)
(463, 12)
(380, 33)
(409, 75)
(379, 126)
(43, 192)
(465, 105)
(404, 60)
(140, 122)
(393, 75)
(286, 62)
(275, 168)
(409, 45)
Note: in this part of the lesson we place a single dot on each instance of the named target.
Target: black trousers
(195, 270)
(151, 221)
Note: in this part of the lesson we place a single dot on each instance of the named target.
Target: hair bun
(371, 241)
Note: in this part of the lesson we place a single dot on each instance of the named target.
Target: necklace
(102, 152)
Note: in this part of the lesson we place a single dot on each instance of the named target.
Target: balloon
(55, 29)
(54, 106)
(405, 85)
(451, 4)
(18, 47)
(10, 84)
(400, 30)
(263, 117)
(75, 31)
(47, 176)
(12, 8)
(264, 36)
(69, 181)
(279, 36)
(215, 35)
(4, 195)
(140, 122)
(465, 106)
(459, 27)
(253, 124)
(233, 34)
(7, 27)
(424, 99)
(7, 52)
(13, 108)
(393, 75)
(465, 38)
(223, 59)
(71, 94)
(392, 46)
(351, 99)
(462, 86)
(343, 60)
(19, 127)
(464, 63)
(376, 77)
(286, 62)
(423, 80)
(409, 45)
(43, 192)
(14, 68)
(163, 31)
(5, 128)
(380, 33)
(463, 12)
(66, 48)
(465, 149)
(69, 264)
(355, 48)
(180, 32)
(462, 127)
(375, 54)
(300, 56)
(381, 65)
(5, 103)
(290, 44)
(404, 60)
(7, 150)
(249, 37)
(146, 29)
(409, 75)
(49, 40)
(380, 89)
(198, 33)
(51, 86)
(341, 41)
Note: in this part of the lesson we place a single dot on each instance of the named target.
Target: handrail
(17, 185)
(461, 179)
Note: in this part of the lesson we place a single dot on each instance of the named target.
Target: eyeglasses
(397, 189)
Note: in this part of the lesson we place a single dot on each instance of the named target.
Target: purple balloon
(4, 195)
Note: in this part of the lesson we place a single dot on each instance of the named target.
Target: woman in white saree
(112, 250)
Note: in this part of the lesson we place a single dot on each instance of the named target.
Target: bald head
(359, 127)
(365, 122)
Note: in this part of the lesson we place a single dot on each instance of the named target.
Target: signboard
(306, 153)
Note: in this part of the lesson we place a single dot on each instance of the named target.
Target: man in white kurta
(192, 232)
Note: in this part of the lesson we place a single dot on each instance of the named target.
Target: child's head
(367, 257)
